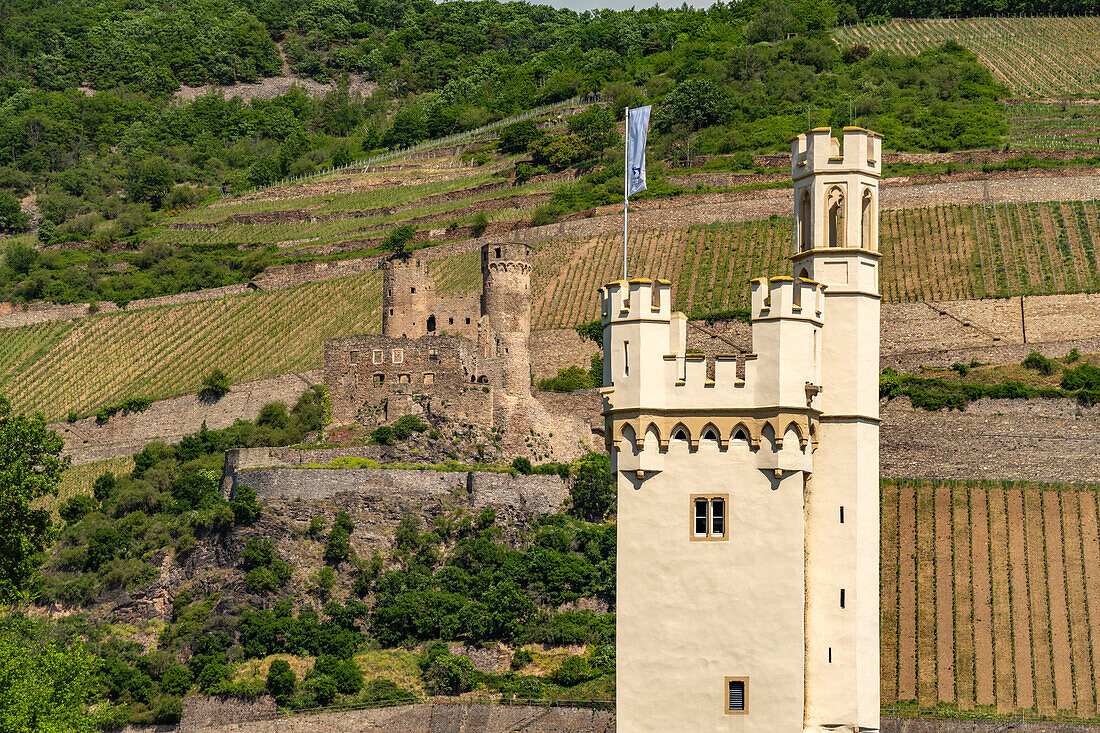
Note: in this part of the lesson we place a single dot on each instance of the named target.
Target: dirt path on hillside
(1021, 617)
(945, 599)
(1059, 617)
(907, 575)
(983, 610)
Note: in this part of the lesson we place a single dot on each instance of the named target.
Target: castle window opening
(804, 222)
(498, 251)
(391, 311)
(353, 356)
(830, 655)
(379, 380)
(835, 206)
(431, 324)
(710, 435)
(467, 321)
(842, 515)
(842, 598)
(450, 321)
(433, 355)
(404, 379)
(398, 356)
(740, 435)
(708, 517)
(866, 218)
(735, 689)
(412, 290)
(378, 356)
(626, 358)
(429, 379)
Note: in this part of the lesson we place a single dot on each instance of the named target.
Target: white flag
(637, 128)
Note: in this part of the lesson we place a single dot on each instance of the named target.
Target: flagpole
(626, 181)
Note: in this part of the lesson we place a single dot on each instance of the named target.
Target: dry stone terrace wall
(434, 717)
(170, 420)
(535, 494)
(1012, 440)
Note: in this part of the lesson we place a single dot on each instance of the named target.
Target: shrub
(245, 506)
(316, 526)
(593, 487)
(77, 507)
(324, 580)
(12, 218)
(1082, 376)
(176, 680)
(568, 380)
(281, 681)
(215, 385)
(449, 674)
(961, 369)
(383, 690)
(213, 677)
(1073, 356)
(382, 435)
(545, 214)
(338, 545)
(1039, 363)
(574, 670)
(397, 240)
(522, 465)
(515, 138)
(521, 659)
(345, 673)
(406, 425)
(480, 223)
(273, 415)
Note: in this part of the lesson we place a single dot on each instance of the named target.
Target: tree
(515, 138)
(281, 681)
(396, 240)
(12, 218)
(593, 487)
(215, 385)
(30, 467)
(45, 686)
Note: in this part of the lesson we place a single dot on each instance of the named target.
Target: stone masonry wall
(1017, 440)
(207, 713)
(438, 717)
(170, 420)
(537, 494)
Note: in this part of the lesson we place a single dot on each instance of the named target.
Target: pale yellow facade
(748, 500)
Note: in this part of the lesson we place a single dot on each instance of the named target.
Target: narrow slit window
(830, 655)
(842, 598)
(842, 515)
(626, 358)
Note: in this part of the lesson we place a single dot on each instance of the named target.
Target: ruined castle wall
(1018, 440)
(374, 379)
(559, 348)
(170, 420)
(456, 315)
(535, 494)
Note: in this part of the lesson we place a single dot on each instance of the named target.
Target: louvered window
(736, 702)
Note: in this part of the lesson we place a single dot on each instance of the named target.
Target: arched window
(710, 436)
(867, 221)
(740, 434)
(680, 435)
(431, 324)
(834, 204)
(805, 226)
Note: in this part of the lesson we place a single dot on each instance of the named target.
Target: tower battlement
(787, 297)
(817, 151)
(625, 300)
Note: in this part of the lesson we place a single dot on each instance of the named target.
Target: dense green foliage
(49, 684)
(30, 468)
(104, 165)
(971, 8)
(172, 497)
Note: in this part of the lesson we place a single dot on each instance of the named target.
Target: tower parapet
(407, 293)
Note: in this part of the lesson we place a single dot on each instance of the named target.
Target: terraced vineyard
(81, 365)
(1033, 57)
(990, 597)
(79, 479)
(1054, 125)
(934, 253)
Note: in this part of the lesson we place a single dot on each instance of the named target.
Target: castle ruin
(463, 358)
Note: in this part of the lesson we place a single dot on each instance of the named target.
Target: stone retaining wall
(436, 717)
(535, 494)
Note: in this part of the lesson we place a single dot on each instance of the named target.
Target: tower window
(450, 321)
(379, 380)
(467, 321)
(353, 356)
(398, 356)
(377, 356)
(626, 358)
(736, 699)
(842, 598)
(830, 655)
(412, 290)
(429, 378)
(842, 515)
(498, 251)
(708, 517)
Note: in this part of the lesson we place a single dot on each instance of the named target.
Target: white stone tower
(748, 503)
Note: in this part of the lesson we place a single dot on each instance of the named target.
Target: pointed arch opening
(628, 439)
(680, 434)
(867, 221)
(652, 440)
(709, 436)
(740, 434)
(804, 223)
(431, 324)
(834, 205)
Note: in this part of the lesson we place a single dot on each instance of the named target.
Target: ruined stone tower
(407, 293)
(506, 316)
(747, 567)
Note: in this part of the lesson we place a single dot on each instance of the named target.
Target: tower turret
(506, 314)
(836, 233)
(407, 293)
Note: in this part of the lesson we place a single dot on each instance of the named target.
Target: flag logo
(637, 128)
